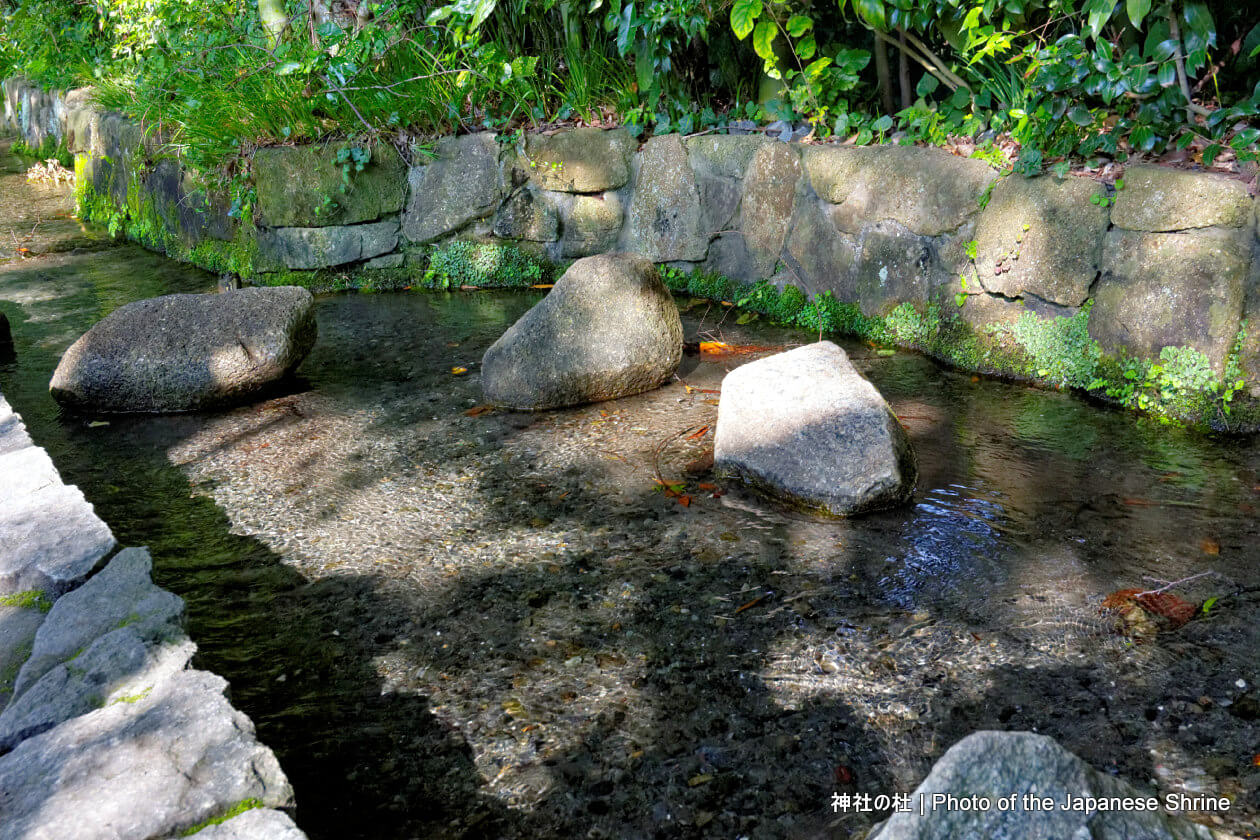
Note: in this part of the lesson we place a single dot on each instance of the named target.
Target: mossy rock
(1172, 289)
(303, 186)
(766, 207)
(591, 224)
(584, 160)
(928, 191)
(1159, 199)
(723, 155)
(1041, 236)
(459, 184)
(664, 218)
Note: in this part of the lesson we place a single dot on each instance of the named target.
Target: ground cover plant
(1051, 81)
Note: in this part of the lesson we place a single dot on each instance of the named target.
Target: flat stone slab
(151, 768)
(119, 667)
(13, 434)
(930, 192)
(806, 428)
(1172, 289)
(999, 764)
(121, 595)
(302, 186)
(1156, 198)
(255, 824)
(459, 184)
(584, 160)
(306, 248)
(1040, 236)
(50, 540)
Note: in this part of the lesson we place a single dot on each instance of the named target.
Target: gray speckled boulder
(806, 428)
(998, 764)
(608, 329)
(146, 767)
(186, 352)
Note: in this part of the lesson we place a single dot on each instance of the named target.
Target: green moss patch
(34, 599)
(234, 811)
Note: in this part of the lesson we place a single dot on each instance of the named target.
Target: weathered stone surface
(766, 208)
(806, 428)
(1156, 198)
(1171, 289)
(79, 126)
(50, 540)
(723, 155)
(1057, 258)
(608, 329)
(584, 160)
(18, 626)
(302, 186)
(893, 265)
(664, 215)
(999, 764)
(255, 824)
(149, 768)
(928, 191)
(719, 201)
(459, 184)
(728, 256)
(528, 215)
(592, 224)
(186, 352)
(817, 256)
(13, 434)
(116, 668)
(383, 262)
(26, 471)
(321, 247)
(122, 594)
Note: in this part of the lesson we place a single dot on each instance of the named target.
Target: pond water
(450, 622)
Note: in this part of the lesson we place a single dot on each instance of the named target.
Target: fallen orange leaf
(1177, 610)
(707, 486)
(704, 430)
(1210, 546)
(685, 501)
(721, 348)
(459, 371)
(702, 464)
(754, 602)
(542, 285)
(478, 410)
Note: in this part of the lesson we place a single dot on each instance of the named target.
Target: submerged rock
(608, 329)
(805, 427)
(186, 352)
(998, 764)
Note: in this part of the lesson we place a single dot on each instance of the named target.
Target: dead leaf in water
(700, 465)
(459, 371)
(478, 410)
(1177, 611)
(704, 430)
(721, 349)
(1210, 547)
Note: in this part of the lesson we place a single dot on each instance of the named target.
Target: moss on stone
(234, 811)
(33, 599)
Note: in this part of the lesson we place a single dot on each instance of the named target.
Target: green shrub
(465, 263)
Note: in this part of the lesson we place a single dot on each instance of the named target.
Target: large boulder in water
(806, 428)
(1034, 770)
(608, 329)
(186, 352)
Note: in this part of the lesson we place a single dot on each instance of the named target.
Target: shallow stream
(455, 623)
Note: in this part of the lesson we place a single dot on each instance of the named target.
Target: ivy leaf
(798, 25)
(1210, 153)
(806, 47)
(1080, 115)
(927, 85)
(1138, 10)
(1099, 13)
(814, 69)
(1167, 75)
(743, 15)
(1143, 137)
(763, 40)
(872, 13)
(882, 124)
(1199, 19)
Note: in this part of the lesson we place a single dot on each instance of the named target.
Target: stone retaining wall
(105, 732)
(926, 249)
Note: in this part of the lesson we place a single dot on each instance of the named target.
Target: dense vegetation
(1062, 79)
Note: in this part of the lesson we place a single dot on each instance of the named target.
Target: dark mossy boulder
(806, 428)
(608, 329)
(303, 186)
(187, 352)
